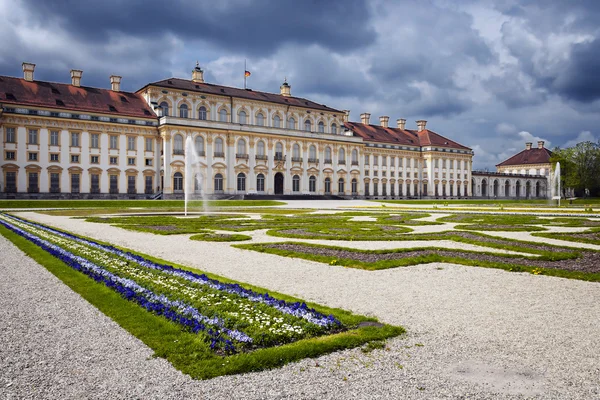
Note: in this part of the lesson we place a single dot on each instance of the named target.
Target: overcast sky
(491, 75)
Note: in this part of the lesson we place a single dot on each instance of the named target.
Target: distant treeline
(579, 168)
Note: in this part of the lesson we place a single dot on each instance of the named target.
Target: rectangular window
(148, 184)
(130, 160)
(11, 136)
(114, 160)
(32, 156)
(54, 157)
(94, 159)
(10, 155)
(11, 182)
(113, 142)
(95, 181)
(74, 139)
(366, 159)
(148, 162)
(95, 140)
(131, 184)
(33, 183)
(33, 136)
(130, 143)
(75, 183)
(383, 161)
(54, 182)
(54, 138)
(114, 184)
(392, 161)
(74, 158)
(375, 161)
(149, 144)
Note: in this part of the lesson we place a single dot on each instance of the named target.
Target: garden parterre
(228, 316)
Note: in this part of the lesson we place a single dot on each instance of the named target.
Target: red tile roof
(209, 88)
(407, 137)
(63, 96)
(532, 156)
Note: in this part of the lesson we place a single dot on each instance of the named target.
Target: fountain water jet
(555, 184)
(192, 165)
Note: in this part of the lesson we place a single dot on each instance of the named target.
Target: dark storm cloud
(256, 27)
(574, 77)
(580, 78)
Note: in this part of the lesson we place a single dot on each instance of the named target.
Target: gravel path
(474, 333)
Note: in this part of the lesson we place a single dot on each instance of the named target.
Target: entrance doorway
(279, 183)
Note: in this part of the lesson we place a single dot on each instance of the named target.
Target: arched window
(260, 148)
(354, 186)
(334, 129)
(307, 125)
(165, 108)
(321, 127)
(202, 113)
(177, 181)
(260, 183)
(354, 157)
(241, 182)
(199, 144)
(342, 156)
(341, 185)
(178, 144)
(241, 147)
(291, 123)
(296, 151)
(327, 155)
(295, 183)
(242, 117)
(312, 153)
(219, 148)
(278, 151)
(312, 184)
(223, 115)
(218, 183)
(277, 121)
(260, 119)
(328, 185)
(183, 111)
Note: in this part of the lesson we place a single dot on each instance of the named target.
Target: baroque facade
(71, 141)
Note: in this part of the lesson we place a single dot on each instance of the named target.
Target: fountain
(192, 171)
(555, 184)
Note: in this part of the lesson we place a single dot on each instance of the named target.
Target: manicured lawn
(153, 204)
(166, 331)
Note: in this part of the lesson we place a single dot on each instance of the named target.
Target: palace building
(72, 141)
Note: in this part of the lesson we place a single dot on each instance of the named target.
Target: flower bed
(229, 317)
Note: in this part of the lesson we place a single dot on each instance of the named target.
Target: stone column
(230, 161)
(168, 181)
(270, 176)
(251, 181)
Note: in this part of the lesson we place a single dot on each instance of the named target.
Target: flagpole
(245, 73)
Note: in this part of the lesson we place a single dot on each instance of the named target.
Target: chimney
(540, 144)
(383, 121)
(285, 89)
(401, 123)
(528, 146)
(198, 74)
(346, 116)
(421, 125)
(28, 69)
(76, 77)
(364, 118)
(115, 83)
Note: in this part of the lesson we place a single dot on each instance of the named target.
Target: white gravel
(485, 333)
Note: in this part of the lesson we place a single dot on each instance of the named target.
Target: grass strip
(416, 260)
(184, 350)
(177, 204)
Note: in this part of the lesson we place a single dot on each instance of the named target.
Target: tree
(580, 167)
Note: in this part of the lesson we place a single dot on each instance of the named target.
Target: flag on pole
(247, 74)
